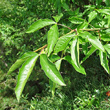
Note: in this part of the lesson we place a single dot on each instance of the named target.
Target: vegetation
(70, 38)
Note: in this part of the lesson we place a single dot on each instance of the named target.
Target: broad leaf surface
(107, 48)
(75, 52)
(53, 57)
(20, 61)
(92, 15)
(58, 17)
(39, 24)
(90, 52)
(80, 70)
(104, 61)
(76, 20)
(51, 70)
(94, 40)
(52, 38)
(105, 37)
(85, 48)
(63, 42)
(24, 74)
(58, 64)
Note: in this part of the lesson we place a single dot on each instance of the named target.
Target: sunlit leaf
(105, 37)
(80, 70)
(58, 17)
(58, 64)
(93, 39)
(24, 74)
(63, 42)
(75, 52)
(20, 61)
(107, 48)
(92, 15)
(39, 24)
(52, 38)
(51, 70)
(104, 61)
(105, 11)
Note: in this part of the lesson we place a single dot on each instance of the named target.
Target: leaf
(107, 48)
(94, 40)
(84, 25)
(63, 42)
(80, 70)
(107, 2)
(58, 17)
(98, 2)
(58, 64)
(20, 61)
(85, 48)
(52, 87)
(51, 83)
(52, 38)
(39, 24)
(104, 61)
(105, 37)
(105, 11)
(90, 52)
(92, 15)
(51, 70)
(53, 57)
(75, 52)
(76, 20)
(65, 6)
(24, 74)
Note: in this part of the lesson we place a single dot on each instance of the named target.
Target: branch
(41, 48)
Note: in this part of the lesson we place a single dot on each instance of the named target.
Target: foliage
(15, 18)
(91, 27)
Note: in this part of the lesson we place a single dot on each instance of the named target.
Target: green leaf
(51, 70)
(80, 70)
(20, 61)
(75, 52)
(92, 15)
(76, 20)
(98, 2)
(107, 48)
(24, 74)
(52, 38)
(58, 64)
(66, 7)
(85, 47)
(105, 37)
(104, 61)
(39, 24)
(52, 87)
(51, 83)
(84, 25)
(94, 40)
(63, 42)
(58, 17)
(53, 57)
(90, 52)
(107, 2)
(105, 11)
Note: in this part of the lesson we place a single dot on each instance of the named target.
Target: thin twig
(41, 48)
(64, 26)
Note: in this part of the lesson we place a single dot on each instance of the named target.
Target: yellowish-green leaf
(52, 38)
(39, 24)
(24, 74)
